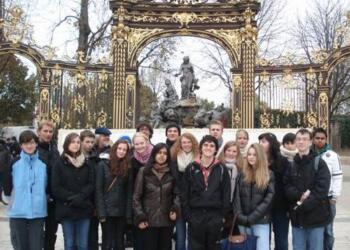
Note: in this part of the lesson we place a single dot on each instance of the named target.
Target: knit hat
(125, 138)
(173, 125)
(102, 131)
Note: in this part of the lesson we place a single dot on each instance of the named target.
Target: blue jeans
(280, 226)
(181, 234)
(328, 232)
(308, 239)
(262, 231)
(76, 234)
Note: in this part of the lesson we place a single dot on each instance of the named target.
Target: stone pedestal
(187, 109)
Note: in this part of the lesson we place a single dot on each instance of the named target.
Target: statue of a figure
(188, 80)
(170, 95)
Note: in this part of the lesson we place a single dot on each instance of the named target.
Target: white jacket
(335, 168)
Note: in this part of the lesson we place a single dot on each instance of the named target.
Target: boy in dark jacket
(307, 183)
(206, 197)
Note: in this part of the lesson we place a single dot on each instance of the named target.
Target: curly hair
(175, 149)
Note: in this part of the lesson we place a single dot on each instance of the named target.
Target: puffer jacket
(117, 202)
(253, 204)
(154, 199)
(26, 181)
(301, 176)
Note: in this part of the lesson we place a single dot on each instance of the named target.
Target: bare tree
(318, 31)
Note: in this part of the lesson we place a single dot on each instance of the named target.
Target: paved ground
(342, 221)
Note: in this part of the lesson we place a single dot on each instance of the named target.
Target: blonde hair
(43, 123)
(239, 158)
(140, 134)
(175, 149)
(259, 174)
(240, 131)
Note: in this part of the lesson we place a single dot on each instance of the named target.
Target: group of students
(195, 187)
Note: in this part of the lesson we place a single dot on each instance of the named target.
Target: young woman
(254, 193)
(141, 152)
(73, 187)
(25, 181)
(278, 165)
(184, 151)
(114, 186)
(231, 157)
(242, 139)
(156, 202)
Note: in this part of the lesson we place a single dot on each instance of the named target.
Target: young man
(26, 182)
(49, 154)
(216, 129)
(206, 197)
(172, 132)
(307, 183)
(146, 129)
(102, 143)
(332, 159)
(288, 148)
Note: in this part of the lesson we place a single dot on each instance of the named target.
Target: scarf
(143, 158)
(183, 160)
(160, 170)
(232, 169)
(288, 153)
(77, 161)
(244, 151)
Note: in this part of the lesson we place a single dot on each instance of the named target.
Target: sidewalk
(341, 227)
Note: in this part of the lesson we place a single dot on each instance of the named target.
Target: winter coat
(117, 201)
(215, 196)
(49, 154)
(301, 176)
(279, 167)
(72, 189)
(5, 158)
(154, 199)
(26, 181)
(253, 204)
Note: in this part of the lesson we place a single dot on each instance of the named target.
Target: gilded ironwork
(101, 119)
(184, 18)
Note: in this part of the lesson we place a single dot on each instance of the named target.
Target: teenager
(254, 193)
(307, 183)
(72, 187)
(323, 149)
(278, 165)
(184, 152)
(172, 132)
(49, 154)
(206, 197)
(288, 148)
(156, 202)
(145, 128)
(231, 157)
(216, 129)
(242, 139)
(114, 186)
(25, 181)
(142, 149)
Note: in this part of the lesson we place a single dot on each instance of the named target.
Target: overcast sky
(45, 13)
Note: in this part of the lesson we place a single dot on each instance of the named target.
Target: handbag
(239, 242)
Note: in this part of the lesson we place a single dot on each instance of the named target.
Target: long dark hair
(119, 166)
(274, 149)
(67, 141)
(155, 151)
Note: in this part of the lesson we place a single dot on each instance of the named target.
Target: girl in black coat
(278, 165)
(72, 188)
(114, 194)
(156, 202)
(254, 193)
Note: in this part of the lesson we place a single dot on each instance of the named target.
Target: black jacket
(253, 204)
(154, 199)
(302, 176)
(179, 176)
(279, 168)
(5, 158)
(216, 196)
(72, 189)
(135, 166)
(49, 154)
(117, 201)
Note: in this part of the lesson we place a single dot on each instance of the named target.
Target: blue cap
(125, 138)
(102, 131)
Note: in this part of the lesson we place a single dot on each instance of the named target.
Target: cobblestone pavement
(341, 227)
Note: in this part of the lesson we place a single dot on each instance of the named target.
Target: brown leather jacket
(154, 199)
